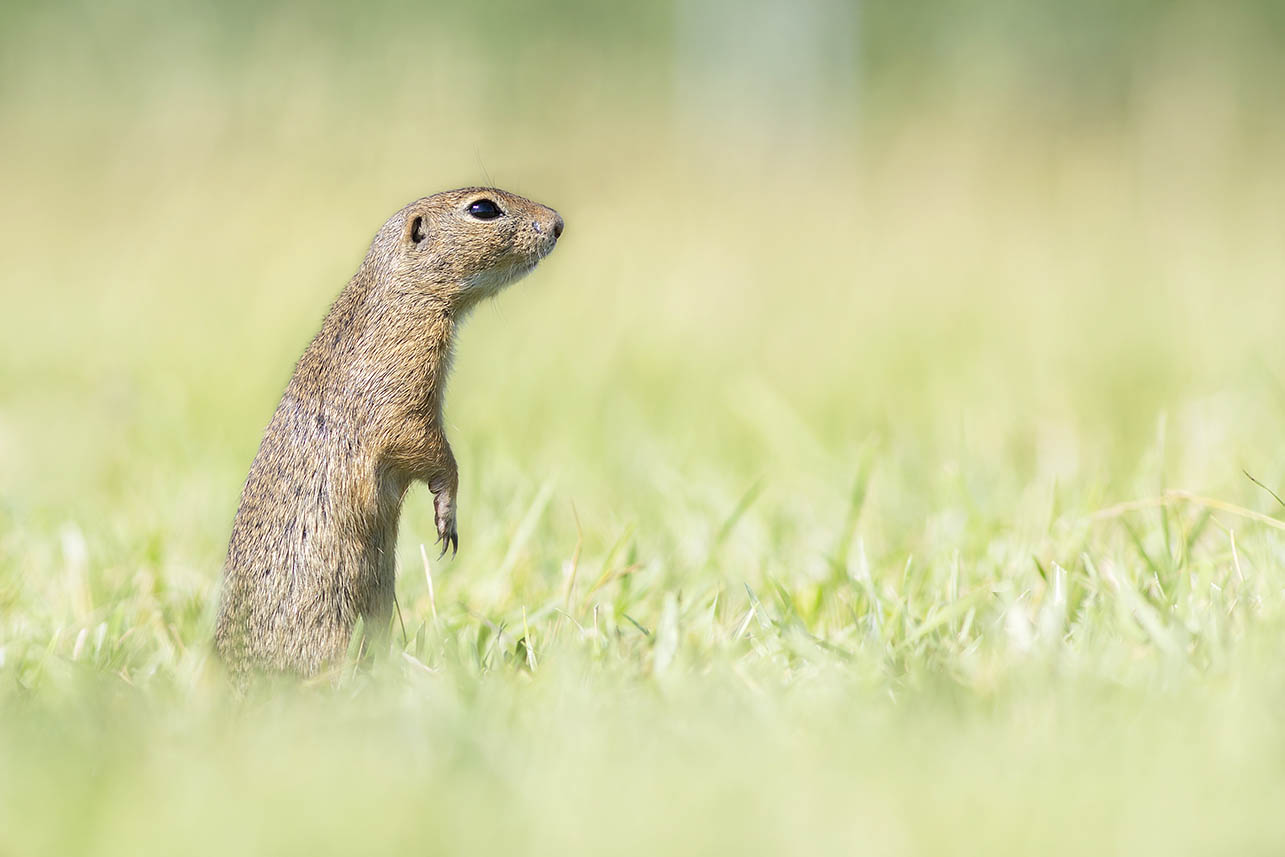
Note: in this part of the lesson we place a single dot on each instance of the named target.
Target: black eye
(485, 209)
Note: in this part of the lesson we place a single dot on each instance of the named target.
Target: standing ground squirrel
(313, 543)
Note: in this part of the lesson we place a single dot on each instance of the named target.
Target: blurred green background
(790, 482)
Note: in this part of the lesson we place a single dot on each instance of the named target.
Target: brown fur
(313, 543)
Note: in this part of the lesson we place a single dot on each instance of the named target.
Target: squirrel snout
(554, 226)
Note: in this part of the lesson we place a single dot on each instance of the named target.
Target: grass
(881, 490)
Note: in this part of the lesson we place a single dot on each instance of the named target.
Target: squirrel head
(462, 246)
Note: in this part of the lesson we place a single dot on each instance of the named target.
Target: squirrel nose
(557, 226)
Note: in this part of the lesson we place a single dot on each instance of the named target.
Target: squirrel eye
(485, 209)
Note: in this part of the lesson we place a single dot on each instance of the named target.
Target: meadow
(884, 463)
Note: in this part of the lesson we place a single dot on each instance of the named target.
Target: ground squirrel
(313, 543)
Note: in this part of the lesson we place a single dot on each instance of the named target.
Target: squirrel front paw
(447, 535)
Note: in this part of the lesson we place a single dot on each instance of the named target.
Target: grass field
(875, 483)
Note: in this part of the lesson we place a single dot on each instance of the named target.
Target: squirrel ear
(416, 230)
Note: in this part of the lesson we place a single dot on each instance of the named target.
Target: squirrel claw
(449, 540)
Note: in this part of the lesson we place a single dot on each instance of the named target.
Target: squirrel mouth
(546, 247)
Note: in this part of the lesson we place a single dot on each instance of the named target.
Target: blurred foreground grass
(871, 483)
